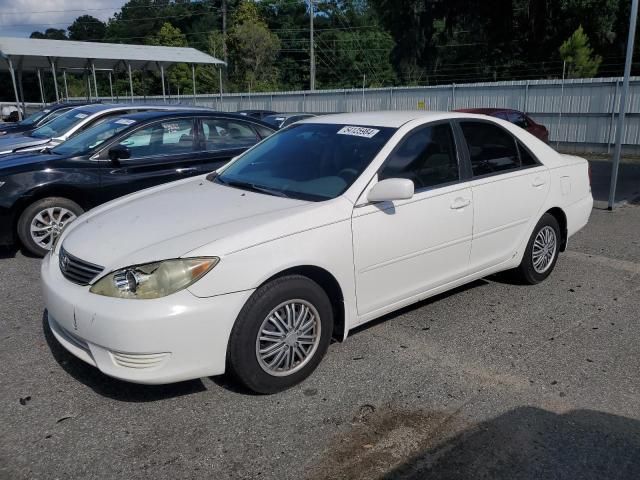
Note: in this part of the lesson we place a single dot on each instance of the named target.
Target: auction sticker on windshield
(125, 121)
(358, 131)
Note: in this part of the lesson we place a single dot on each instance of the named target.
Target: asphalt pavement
(493, 380)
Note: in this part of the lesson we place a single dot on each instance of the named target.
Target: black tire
(527, 272)
(242, 357)
(28, 215)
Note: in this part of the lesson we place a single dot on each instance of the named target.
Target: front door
(403, 249)
(159, 153)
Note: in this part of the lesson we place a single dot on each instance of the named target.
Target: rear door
(161, 152)
(509, 187)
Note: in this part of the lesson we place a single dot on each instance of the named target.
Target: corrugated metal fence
(579, 113)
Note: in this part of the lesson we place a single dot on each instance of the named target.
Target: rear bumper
(170, 339)
(578, 214)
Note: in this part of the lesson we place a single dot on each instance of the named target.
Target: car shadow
(111, 387)
(11, 251)
(530, 443)
(418, 305)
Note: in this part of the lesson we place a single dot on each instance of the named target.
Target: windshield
(60, 125)
(35, 117)
(308, 161)
(92, 137)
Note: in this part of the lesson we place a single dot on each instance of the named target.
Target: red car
(514, 116)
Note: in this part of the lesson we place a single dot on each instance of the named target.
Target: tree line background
(371, 43)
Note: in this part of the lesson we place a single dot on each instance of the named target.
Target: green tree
(254, 49)
(87, 28)
(178, 76)
(578, 54)
(50, 34)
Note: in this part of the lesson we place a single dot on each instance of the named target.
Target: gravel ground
(493, 380)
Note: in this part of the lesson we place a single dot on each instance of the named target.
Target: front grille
(76, 270)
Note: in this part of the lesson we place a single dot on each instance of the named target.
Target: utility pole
(312, 70)
(623, 105)
(224, 31)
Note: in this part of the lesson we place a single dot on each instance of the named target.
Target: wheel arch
(561, 218)
(70, 193)
(330, 285)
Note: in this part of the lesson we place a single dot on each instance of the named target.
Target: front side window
(163, 138)
(61, 125)
(307, 161)
(223, 134)
(426, 156)
(491, 148)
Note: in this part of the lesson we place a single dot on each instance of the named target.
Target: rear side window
(264, 132)
(223, 134)
(427, 156)
(491, 148)
(518, 119)
(527, 159)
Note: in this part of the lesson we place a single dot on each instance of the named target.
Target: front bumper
(165, 340)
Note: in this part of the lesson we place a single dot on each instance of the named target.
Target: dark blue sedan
(40, 193)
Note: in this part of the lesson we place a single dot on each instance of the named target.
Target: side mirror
(119, 152)
(391, 189)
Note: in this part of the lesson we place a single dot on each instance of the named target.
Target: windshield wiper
(251, 187)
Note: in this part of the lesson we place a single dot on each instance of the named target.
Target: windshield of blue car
(60, 125)
(93, 137)
(35, 117)
(308, 161)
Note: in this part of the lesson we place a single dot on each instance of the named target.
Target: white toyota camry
(326, 225)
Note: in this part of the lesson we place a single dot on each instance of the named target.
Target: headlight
(154, 280)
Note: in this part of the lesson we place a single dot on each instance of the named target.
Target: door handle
(186, 170)
(459, 203)
(538, 182)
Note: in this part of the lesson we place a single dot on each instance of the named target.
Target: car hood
(171, 220)
(9, 142)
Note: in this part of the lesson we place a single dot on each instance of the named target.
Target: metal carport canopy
(31, 54)
(34, 55)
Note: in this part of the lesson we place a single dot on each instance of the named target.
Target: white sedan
(324, 226)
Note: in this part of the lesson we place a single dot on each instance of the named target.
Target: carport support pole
(66, 87)
(41, 89)
(95, 83)
(220, 76)
(623, 105)
(130, 81)
(110, 86)
(193, 77)
(164, 95)
(15, 87)
(21, 89)
(55, 79)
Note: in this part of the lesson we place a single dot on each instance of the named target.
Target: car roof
(185, 112)
(485, 111)
(387, 118)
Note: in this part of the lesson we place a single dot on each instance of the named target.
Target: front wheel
(42, 221)
(542, 251)
(281, 334)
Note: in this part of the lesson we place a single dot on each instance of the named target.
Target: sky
(19, 19)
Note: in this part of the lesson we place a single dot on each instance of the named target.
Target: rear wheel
(42, 221)
(281, 334)
(542, 251)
